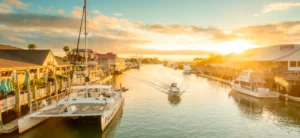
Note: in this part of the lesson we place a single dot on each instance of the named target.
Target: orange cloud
(5, 8)
(108, 33)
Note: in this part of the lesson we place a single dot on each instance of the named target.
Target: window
(293, 63)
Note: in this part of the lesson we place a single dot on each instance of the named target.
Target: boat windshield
(174, 85)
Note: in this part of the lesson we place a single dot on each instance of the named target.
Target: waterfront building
(111, 61)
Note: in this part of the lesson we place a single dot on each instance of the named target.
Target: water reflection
(274, 111)
(174, 100)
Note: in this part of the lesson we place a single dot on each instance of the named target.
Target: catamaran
(82, 101)
(251, 83)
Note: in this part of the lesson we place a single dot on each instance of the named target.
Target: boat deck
(87, 109)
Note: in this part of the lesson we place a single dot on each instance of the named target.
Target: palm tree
(31, 46)
(66, 49)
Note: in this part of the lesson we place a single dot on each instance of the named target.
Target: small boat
(187, 69)
(252, 83)
(174, 90)
(174, 66)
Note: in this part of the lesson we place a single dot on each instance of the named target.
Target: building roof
(61, 63)
(270, 53)
(25, 58)
(9, 60)
(82, 50)
(8, 47)
(107, 56)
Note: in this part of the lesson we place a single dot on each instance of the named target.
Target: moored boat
(187, 69)
(251, 83)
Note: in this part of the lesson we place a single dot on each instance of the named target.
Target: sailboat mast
(85, 43)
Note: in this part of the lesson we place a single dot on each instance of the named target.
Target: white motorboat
(187, 69)
(251, 83)
(174, 90)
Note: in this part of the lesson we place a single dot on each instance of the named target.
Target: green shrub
(61, 76)
(51, 78)
(38, 82)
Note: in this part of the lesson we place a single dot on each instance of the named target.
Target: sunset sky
(187, 27)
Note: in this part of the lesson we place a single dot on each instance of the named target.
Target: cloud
(15, 39)
(271, 34)
(108, 33)
(118, 14)
(5, 8)
(77, 12)
(61, 11)
(281, 6)
(17, 3)
(50, 9)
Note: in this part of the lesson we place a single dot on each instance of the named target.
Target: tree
(31, 46)
(66, 49)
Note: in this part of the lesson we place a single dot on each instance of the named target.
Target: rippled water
(206, 109)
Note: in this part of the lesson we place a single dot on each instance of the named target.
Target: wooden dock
(215, 78)
(9, 127)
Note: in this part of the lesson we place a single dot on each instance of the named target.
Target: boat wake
(162, 88)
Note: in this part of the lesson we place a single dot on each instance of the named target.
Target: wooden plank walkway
(215, 78)
(9, 127)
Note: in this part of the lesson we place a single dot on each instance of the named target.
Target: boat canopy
(173, 84)
(250, 76)
(187, 67)
(91, 87)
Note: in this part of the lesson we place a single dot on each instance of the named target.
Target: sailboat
(83, 101)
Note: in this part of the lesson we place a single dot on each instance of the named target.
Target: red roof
(107, 55)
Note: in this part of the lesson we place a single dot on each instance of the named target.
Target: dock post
(17, 94)
(18, 103)
(56, 89)
(61, 84)
(49, 88)
(1, 123)
(34, 93)
(29, 97)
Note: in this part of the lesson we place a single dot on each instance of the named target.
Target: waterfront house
(14, 62)
(111, 61)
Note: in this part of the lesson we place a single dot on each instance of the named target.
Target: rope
(76, 55)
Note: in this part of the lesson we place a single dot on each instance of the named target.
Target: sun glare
(237, 46)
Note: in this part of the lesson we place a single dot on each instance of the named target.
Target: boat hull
(109, 115)
(28, 122)
(254, 94)
(174, 93)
